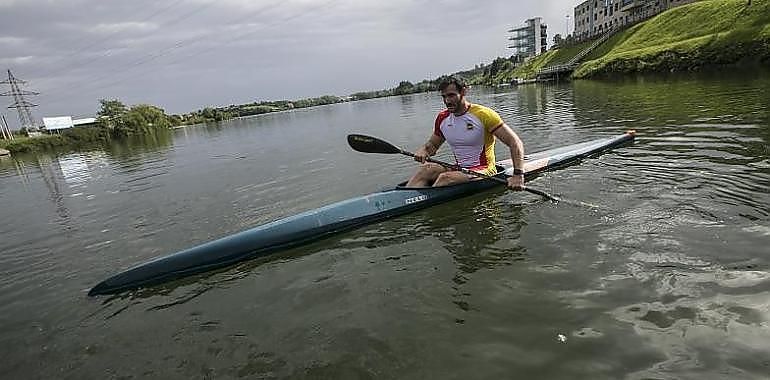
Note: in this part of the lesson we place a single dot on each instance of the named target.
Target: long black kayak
(341, 216)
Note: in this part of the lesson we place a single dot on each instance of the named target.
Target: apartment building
(595, 17)
(529, 40)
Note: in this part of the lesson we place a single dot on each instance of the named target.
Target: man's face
(452, 98)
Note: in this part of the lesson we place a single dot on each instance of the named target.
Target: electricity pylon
(21, 104)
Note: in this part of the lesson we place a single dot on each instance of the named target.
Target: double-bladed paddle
(369, 144)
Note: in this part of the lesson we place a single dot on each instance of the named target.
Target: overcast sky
(183, 55)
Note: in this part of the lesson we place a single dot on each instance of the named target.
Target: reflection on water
(669, 278)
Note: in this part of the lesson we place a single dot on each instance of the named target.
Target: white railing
(573, 62)
(589, 49)
(556, 69)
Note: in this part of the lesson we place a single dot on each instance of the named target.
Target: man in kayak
(471, 130)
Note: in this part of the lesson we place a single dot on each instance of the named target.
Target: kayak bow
(341, 216)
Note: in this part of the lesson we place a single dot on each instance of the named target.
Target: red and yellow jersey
(470, 136)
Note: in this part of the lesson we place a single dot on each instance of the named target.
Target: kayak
(315, 224)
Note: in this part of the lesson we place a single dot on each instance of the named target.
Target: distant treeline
(213, 114)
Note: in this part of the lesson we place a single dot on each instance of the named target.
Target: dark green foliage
(73, 138)
(258, 108)
(210, 114)
(205, 115)
(140, 119)
(112, 109)
(86, 134)
(116, 121)
(498, 65)
(405, 87)
(110, 115)
(22, 145)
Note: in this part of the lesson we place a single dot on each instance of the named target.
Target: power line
(109, 36)
(188, 42)
(240, 37)
(166, 50)
(108, 52)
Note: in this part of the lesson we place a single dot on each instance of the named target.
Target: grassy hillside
(703, 33)
(527, 70)
(530, 68)
(563, 55)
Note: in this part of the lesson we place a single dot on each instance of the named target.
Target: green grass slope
(704, 33)
(563, 55)
(529, 69)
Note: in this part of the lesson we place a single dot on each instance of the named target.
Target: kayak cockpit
(402, 186)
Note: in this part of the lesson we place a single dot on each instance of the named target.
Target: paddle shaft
(482, 175)
(369, 144)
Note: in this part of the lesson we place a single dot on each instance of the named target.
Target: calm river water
(668, 279)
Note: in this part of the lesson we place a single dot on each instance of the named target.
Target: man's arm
(505, 134)
(429, 148)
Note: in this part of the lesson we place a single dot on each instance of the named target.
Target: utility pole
(6, 130)
(2, 128)
(21, 104)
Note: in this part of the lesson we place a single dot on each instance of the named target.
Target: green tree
(112, 112)
(140, 119)
(112, 108)
(557, 41)
(497, 65)
(405, 87)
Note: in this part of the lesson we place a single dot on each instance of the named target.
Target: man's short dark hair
(459, 83)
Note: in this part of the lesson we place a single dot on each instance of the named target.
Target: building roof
(86, 120)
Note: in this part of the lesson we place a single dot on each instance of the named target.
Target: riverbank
(680, 40)
(703, 34)
(116, 121)
(72, 138)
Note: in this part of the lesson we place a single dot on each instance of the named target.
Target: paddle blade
(369, 144)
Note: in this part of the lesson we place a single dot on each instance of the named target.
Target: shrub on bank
(22, 145)
(70, 138)
(115, 121)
